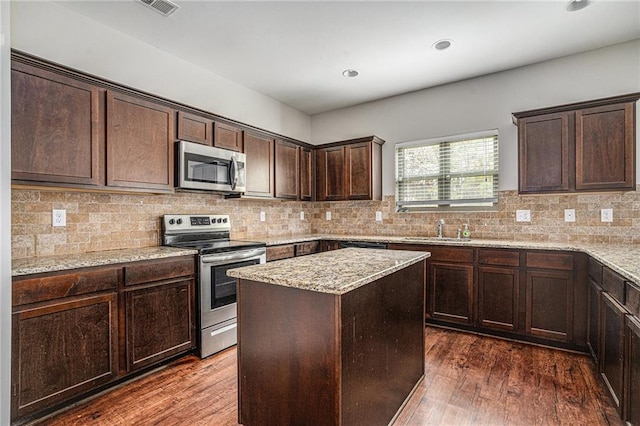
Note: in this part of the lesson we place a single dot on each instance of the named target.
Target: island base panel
(307, 357)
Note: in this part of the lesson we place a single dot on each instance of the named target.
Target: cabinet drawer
(450, 254)
(280, 252)
(547, 260)
(40, 288)
(309, 247)
(499, 257)
(613, 284)
(158, 270)
(595, 270)
(632, 299)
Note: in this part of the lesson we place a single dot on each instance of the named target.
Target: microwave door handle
(234, 173)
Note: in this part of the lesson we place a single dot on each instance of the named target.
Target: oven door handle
(246, 254)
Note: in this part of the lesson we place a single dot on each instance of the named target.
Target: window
(458, 172)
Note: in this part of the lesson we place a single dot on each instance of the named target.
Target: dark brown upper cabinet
(586, 146)
(260, 165)
(140, 137)
(195, 128)
(287, 168)
(227, 136)
(350, 170)
(57, 128)
(605, 147)
(306, 173)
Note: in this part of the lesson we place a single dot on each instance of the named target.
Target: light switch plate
(327, 215)
(523, 215)
(59, 217)
(301, 215)
(569, 215)
(606, 215)
(379, 216)
(263, 216)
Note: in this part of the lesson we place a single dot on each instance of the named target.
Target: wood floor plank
(469, 380)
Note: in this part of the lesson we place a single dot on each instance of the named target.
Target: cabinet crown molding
(629, 97)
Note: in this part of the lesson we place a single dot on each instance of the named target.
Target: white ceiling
(295, 51)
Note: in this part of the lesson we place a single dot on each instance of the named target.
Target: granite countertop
(333, 272)
(72, 261)
(623, 259)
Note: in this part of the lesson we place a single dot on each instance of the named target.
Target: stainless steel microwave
(209, 168)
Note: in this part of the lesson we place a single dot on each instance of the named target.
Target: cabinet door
(605, 147)
(57, 128)
(310, 247)
(259, 167)
(632, 372)
(61, 350)
(331, 174)
(306, 174)
(286, 170)
(549, 304)
(358, 171)
(498, 297)
(284, 251)
(544, 153)
(450, 292)
(227, 136)
(159, 322)
(140, 137)
(326, 245)
(195, 128)
(593, 335)
(613, 319)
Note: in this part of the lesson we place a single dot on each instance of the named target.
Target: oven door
(217, 290)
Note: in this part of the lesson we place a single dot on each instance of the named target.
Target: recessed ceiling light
(350, 73)
(442, 44)
(574, 5)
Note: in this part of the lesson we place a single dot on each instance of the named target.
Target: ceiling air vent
(163, 7)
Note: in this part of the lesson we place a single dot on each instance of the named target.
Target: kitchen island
(335, 338)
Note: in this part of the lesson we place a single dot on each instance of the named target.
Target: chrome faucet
(440, 225)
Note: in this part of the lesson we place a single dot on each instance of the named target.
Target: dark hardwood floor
(469, 380)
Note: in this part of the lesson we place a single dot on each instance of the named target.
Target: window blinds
(460, 172)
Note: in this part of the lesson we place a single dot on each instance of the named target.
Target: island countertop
(333, 272)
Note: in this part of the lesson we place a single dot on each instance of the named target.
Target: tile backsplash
(103, 221)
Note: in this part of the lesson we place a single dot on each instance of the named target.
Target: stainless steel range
(209, 234)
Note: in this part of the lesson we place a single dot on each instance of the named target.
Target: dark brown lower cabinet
(612, 355)
(77, 331)
(632, 372)
(593, 335)
(159, 322)
(549, 309)
(61, 349)
(450, 292)
(498, 297)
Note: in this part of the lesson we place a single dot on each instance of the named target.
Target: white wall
(53, 32)
(5, 216)
(485, 103)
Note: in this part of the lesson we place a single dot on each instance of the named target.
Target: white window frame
(483, 204)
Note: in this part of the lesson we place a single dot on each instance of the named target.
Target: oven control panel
(204, 222)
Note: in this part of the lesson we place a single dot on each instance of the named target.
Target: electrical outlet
(301, 215)
(263, 216)
(327, 215)
(523, 215)
(379, 216)
(606, 215)
(569, 215)
(59, 217)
